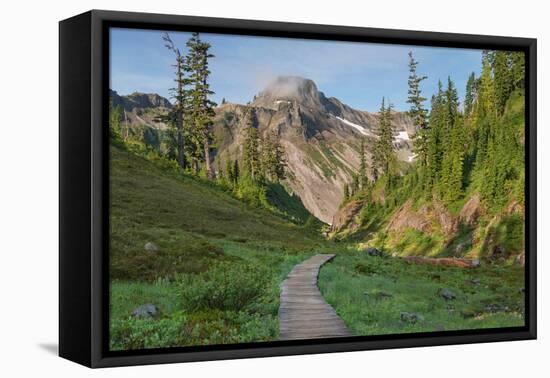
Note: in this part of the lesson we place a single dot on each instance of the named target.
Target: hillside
(141, 191)
(404, 221)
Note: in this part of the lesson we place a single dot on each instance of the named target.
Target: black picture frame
(83, 182)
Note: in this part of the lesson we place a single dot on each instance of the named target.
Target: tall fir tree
(471, 94)
(201, 108)
(355, 186)
(272, 157)
(236, 171)
(435, 137)
(384, 158)
(503, 80)
(229, 173)
(499, 147)
(451, 181)
(418, 113)
(485, 112)
(452, 103)
(448, 121)
(346, 192)
(251, 155)
(363, 177)
(517, 63)
(180, 95)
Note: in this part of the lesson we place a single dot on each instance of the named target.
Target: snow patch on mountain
(403, 135)
(359, 128)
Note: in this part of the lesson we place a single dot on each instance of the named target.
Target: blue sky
(359, 74)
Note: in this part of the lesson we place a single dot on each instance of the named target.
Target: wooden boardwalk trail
(303, 312)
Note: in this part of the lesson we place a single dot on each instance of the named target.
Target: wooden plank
(303, 312)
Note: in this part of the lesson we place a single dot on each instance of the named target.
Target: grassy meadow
(215, 279)
(383, 295)
(215, 276)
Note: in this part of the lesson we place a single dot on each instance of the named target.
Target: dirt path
(303, 312)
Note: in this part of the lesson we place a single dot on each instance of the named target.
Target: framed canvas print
(233, 188)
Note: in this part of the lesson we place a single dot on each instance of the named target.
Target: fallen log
(443, 261)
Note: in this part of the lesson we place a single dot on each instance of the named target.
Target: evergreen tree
(451, 100)
(115, 118)
(452, 164)
(384, 158)
(279, 157)
(485, 112)
(499, 148)
(236, 172)
(201, 108)
(229, 172)
(355, 184)
(251, 156)
(219, 172)
(272, 158)
(362, 164)
(517, 63)
(503, 80)
(346, 192)
(438, 121)
(180, 94)
(447, 121)
(417, 112)
(470, 94)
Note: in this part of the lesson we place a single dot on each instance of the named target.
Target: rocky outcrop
(515, 207)
(424, 218)
(346, 216)
(407, 217)
(449, 224)
(471, 210)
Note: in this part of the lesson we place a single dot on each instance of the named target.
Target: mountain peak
(139, 100)
(290, 88)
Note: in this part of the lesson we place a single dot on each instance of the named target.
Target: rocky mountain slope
(141, 109)
(321, 135)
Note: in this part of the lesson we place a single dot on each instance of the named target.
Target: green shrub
(131, 333)
(225, 286)
(252, 192)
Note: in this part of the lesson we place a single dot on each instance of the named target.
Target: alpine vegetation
(229, 191)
